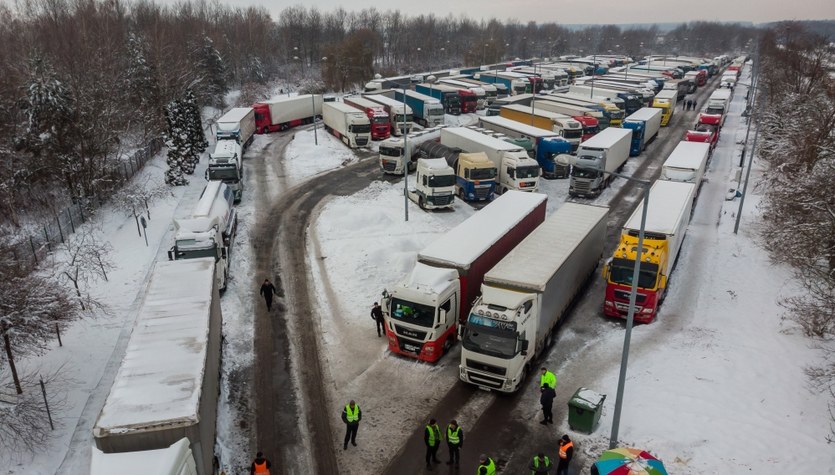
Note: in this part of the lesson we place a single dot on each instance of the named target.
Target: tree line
(796, 115)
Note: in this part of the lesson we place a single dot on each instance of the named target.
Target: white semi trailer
(237, 124)
(226, 165)
(527, 294)
(167, 385)
(517, 171)
(605, 152)
(347, 124)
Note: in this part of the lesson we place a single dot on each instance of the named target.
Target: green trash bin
(584, 409)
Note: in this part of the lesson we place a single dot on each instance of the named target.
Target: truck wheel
(420, 202)
(447, 345)
(461, 194)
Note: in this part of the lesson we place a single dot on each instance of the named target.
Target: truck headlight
(646, 310)
(608, 304)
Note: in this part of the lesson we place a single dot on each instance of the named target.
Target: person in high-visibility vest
(486, 466)
(566, 453)
(540, 465)
(454, 441)
(351, 416)
(432, 439)
(548, 379)
(260, 466)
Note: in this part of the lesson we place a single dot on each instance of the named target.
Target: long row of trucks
(547, 145)
(377, 116)
(568, 128)
(449, 96)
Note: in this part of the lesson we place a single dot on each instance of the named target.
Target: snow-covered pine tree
(197, 138)
(142, 83)
(177, 142)
(212, 69)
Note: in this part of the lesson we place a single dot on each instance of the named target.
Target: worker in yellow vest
(548, 379)
(486, 466)
(351, 416)
(540, 465)
(432, 439)
(454, 441)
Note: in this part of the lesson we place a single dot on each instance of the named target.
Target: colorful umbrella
(626, 461)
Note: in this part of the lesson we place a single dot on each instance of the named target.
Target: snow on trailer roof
(488, 140)
(688, 155)
(161, 375)
(167, 461)
(236, 114)
(667, 201)
(644, 113)
(464, 243)
(436, 163)
(606, 138)
(525, 129)
(532, 263)
(280, 100)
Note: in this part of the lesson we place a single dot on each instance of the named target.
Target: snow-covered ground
(722, 392)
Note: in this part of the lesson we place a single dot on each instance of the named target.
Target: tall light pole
(633, 295)
(313, 109)
(406, 157)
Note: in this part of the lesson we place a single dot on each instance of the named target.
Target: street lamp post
(633, 295)
(406, 157)
(313, 109)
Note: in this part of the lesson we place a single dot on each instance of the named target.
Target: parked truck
(426, 111)
(286, 112)
(177, 459)
(704, 133)
(515, 84)
(434, 185)
(209, 231)
(226, 165)
(686, 163)
(377, 116)
(666, 100)
(605, 152)
(612, 114)
(347, 124)
(447, 95)
(400, 116)
(668, 215)
(475, 174)
(526, 296)
(644, 125)
(424, 310)
(491, 92)
(565, 126)
(393, 150)
(517, 171)
(588, 119)
(237, 124)
(632, 101)
(547, 145)
(167, 385)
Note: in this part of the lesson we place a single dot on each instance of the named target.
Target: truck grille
(581, 186)
(408, 332)
(486, 381)
(362, 141)
(442, 200)
(389, 166)
(623, 295)
(486, 367)
(482, 193)
(407, 346)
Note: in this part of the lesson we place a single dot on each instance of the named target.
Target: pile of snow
(303, 158)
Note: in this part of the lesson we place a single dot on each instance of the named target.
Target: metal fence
(33, 248)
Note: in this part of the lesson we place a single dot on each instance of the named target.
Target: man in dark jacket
(547, 401)
(432, 439)
(260, 466)
(268, 290)
(351, 416)
(377, 316)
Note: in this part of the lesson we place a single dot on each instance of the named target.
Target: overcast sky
(586, 11)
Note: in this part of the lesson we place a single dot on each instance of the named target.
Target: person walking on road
(260, 466)
(377, 316)
(455, 442)
(486, 466)
(540, 465)
(268, 290)
(548, 379)
(566, 453)
(351, 416)
(547, 401)
(432, 439)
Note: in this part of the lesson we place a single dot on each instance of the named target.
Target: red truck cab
(380, 124)
(701, 77)
(469, 101)
(710, 119)
(704, 133)
(590, 126)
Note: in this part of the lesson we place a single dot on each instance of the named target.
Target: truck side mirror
(223, 253)
(524, 344)
(171, 254)
(663, 281)
(206, 175)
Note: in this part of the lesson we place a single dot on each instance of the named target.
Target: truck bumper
(486, 381)
(430, 351)
(621, 310)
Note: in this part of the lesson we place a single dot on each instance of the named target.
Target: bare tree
(82, 259)
(24, 423)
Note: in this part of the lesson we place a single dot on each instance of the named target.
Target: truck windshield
(715, 110)
(438, 111)
(527, 172)
(438, 181)
(400, 118)
(414, 313)
(578, 172)
(391, 151)
(196, 253)
(572, 134)
(225, 173)
(381, 120)
(361, 129)
(621, 271)
(482, 173)
(491, 337)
